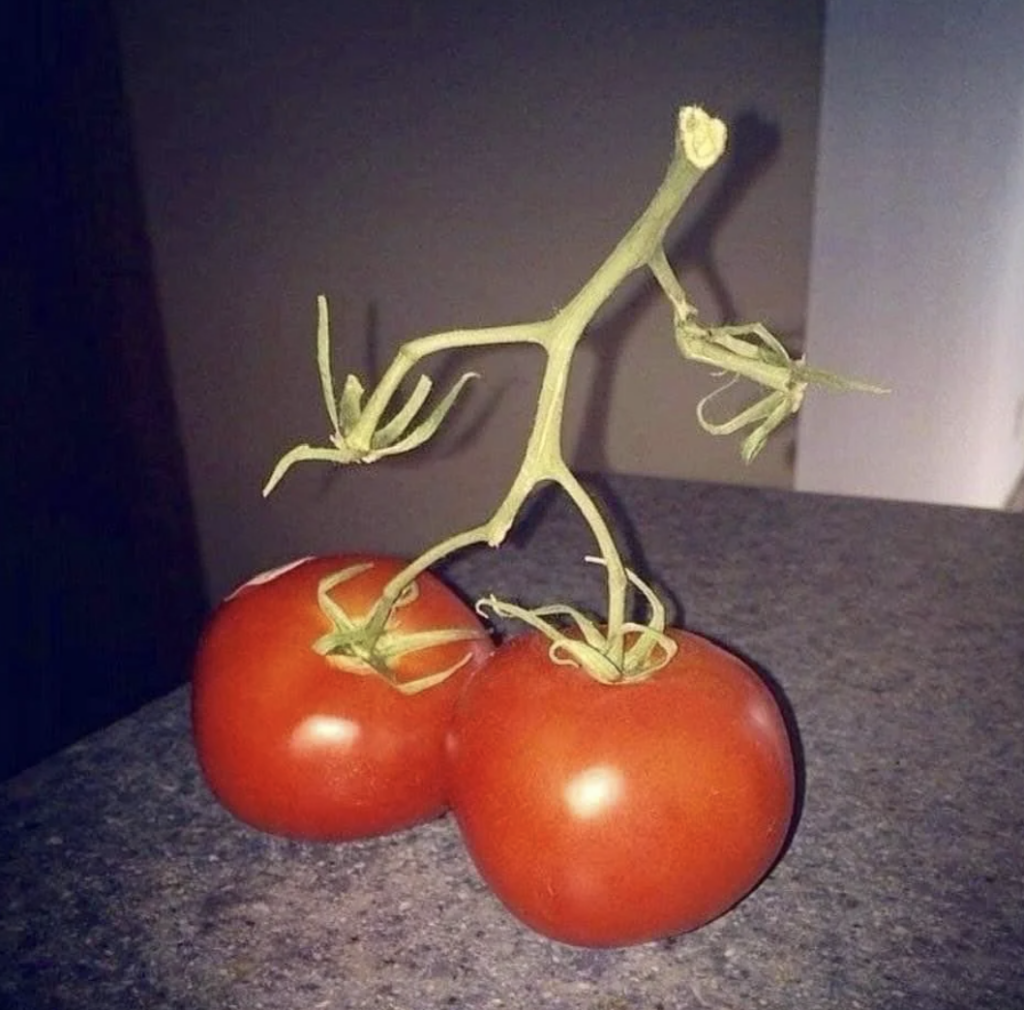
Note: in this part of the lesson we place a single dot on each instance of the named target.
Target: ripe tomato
(297, 744)
(608, 815)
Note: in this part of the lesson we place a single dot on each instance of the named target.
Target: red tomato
(295, 743)
(608, 815)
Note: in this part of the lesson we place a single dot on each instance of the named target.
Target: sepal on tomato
(645, 648)
(354, 644)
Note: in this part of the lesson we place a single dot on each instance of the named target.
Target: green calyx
(366, 429)
(649, 646)
(358, 647)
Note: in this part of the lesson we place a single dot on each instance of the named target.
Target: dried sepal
(753, 352)
(357, 437)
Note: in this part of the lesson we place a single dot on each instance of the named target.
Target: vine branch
(621, 651)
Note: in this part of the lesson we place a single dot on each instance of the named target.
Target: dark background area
(102, 585)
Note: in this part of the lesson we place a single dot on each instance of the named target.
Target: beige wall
(919, 254)
(429, 169)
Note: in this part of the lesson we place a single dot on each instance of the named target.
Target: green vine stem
(621, 651)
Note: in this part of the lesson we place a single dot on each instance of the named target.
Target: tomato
(608, 815)
(298, 744)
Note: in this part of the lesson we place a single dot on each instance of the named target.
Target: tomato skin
(610, 815)
(293, 744)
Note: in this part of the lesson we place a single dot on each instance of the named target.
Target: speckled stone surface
(896, 633)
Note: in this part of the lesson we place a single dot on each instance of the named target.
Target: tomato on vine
(614, 784)
(613, 814)
(327, 746)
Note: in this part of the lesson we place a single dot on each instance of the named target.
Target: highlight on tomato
(331, 747)
(614, 814)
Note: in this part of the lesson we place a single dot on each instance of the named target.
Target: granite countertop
(896, 632)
